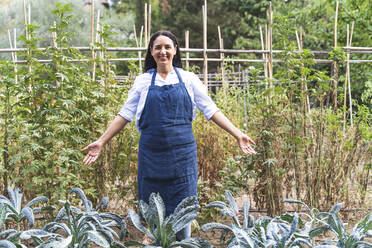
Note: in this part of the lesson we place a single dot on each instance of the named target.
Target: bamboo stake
(348, 75)
(205, 67)
(306, 89)
(29, 14)
(15, 55)
(334, 64)
(145, 16)
(54, 39)
(222, 55)
(100, 39)
(103, 65)
(10, 44)
(298, 41)
(307, 100)
(140, 44)
(187, 45)
(271, 45)
(300, 47)
(335, 31)
(92, 40)
(25, 18)
(98, 25)
(54, 36)
(27, 22)
(92, 21)
(263, 48)
(139, 53)
(266, 54)
(149, 23)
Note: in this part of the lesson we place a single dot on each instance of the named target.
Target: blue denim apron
(167, 160)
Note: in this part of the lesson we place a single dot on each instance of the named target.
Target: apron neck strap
(153, 78)
(178, 75)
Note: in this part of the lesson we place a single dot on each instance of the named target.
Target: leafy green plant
(83, 227)
(12, 213)
(12, 208)
(162, 230)
(15, 239)
(346, 239)
(265, 232)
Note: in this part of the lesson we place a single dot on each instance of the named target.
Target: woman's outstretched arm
(95, 148)
(243, 140)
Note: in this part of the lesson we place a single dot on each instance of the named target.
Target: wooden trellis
(220, 53)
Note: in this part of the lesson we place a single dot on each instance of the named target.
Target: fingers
(248, 150)
(245, 145)
(85, 148)
(86, 158)
(92, 155)
(251, 141)
(90, 159)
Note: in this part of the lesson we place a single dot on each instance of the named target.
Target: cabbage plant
(162, 230)
(11, 211)
(355, 239)
(14, 211)
(82, 227)
(264, 232)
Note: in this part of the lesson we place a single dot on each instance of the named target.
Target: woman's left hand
(245, 144)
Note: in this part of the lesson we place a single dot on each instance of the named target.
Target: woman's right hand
(95, 149)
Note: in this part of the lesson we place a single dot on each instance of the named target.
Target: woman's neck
(164, 70)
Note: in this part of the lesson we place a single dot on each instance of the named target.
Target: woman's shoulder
(144, 77)
(187, 75)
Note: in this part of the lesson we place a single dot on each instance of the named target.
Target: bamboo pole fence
(267, 52)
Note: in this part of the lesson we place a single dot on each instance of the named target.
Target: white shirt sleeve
(203, 102)
(128, 111)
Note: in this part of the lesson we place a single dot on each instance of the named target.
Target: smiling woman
(164, 101)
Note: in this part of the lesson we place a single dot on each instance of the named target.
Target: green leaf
(317, 231)
(28, 213)
(246, 206)
(157, 207)
(63, 77)
(64, 243)
(215, 225)
(296, 202)
(36, 200)
(336, 208)
(336, 225)
(82, 196)
(231, 201)
(137, 223)
(7, 244)
(98, 239)
(34, 232)
(365, 223)
(134, 243)
(3, 211)
(193, 243)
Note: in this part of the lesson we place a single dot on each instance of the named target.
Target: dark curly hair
(150, 61)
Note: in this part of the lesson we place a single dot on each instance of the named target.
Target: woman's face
(163, 51)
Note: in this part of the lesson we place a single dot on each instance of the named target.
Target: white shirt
(137, 94)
